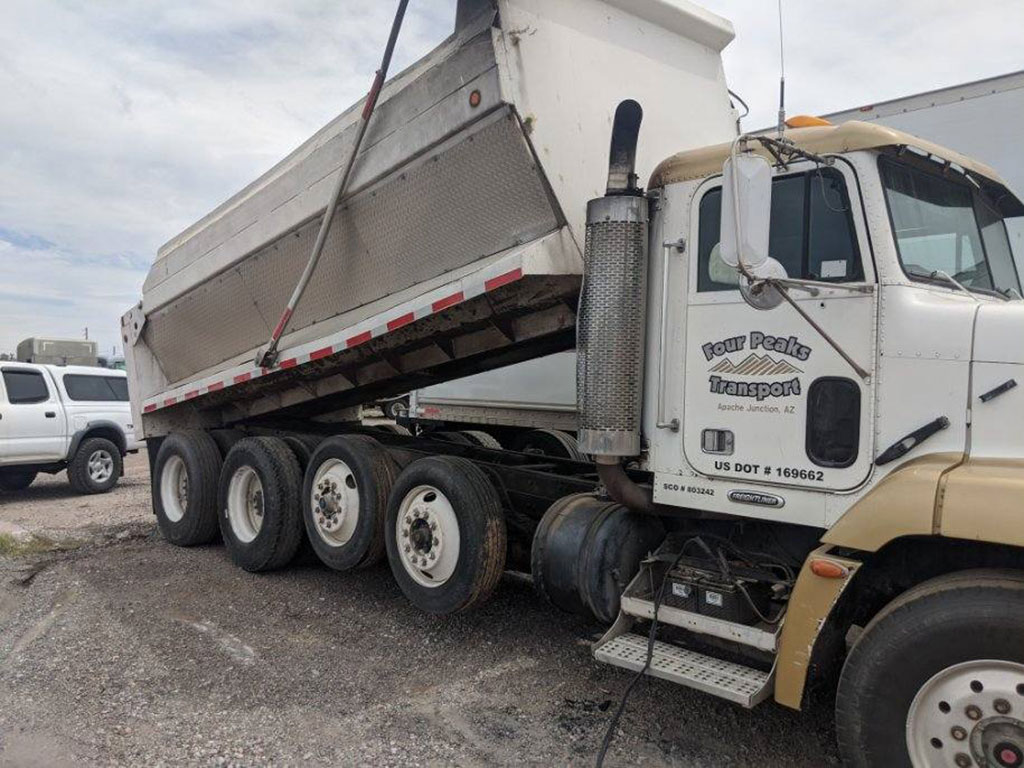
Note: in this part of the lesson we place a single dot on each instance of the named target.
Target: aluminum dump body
(459, 246)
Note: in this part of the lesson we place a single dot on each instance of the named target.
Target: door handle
(51, 415)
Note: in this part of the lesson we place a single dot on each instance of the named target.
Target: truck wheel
(481, 439)
(185, 476)
(937, 677)
(549, 442)
(260, 517)
(446, 534)
(96, 466)
(345, 495)
(586, 551)
(14, 479)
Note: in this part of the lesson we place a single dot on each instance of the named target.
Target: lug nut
(958, 733)
(405, 533)
(964, 761)
(407, 547)
(1002, 706)
(408, 520)
(973, 712)
(433, 526)
(436, 541)
(433, 555)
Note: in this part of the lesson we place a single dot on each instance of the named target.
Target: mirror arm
(784, 292)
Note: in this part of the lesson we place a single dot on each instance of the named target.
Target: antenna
(782, 76)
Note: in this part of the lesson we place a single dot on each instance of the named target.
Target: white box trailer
(460, 241)
(48, 351)
(981, 119)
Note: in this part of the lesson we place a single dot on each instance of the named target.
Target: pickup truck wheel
(446, 534)
(96, 466)
(345, 495)
(185, 476)
(937, 677)
(260, 518)
(14, 479)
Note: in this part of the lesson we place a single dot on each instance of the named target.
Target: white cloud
(122, 123)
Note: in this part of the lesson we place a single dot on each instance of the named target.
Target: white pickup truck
(64, 417)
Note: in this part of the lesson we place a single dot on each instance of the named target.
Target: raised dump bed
(458, 248)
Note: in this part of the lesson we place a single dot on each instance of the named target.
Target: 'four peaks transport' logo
(755, 365)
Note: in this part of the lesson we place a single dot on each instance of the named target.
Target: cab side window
(25, 387)
(811, 232)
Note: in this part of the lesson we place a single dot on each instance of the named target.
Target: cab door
(33, 421)
(767, 398)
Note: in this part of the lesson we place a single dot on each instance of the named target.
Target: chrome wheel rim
(334, 502)
(100, 465)
(245, 504)
(174, 488)
(427, 532)
(969, 714)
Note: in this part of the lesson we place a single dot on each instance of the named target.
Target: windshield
(944, 225)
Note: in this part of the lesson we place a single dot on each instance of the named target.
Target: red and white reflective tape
(387, 322)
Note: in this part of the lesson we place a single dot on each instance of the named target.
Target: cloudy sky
(123, 121)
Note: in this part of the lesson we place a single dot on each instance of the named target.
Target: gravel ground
(120, 649)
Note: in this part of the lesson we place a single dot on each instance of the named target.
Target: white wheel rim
(334, 502)
(174, 489)
(427, 532)
(100, 466)
(245, 504)
(969, 714)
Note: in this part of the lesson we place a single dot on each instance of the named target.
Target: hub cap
(101, 466)
(174, 489)
(970, 714)
(427, 532)
(335, 502)
(245, 504)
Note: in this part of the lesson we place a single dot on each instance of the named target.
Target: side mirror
(746, 211)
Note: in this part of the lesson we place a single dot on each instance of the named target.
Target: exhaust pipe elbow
(622, 488)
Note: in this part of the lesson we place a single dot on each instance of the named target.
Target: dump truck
(798, 359)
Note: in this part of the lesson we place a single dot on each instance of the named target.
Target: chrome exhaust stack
(612, 313)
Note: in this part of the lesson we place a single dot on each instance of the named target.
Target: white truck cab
(64, 417)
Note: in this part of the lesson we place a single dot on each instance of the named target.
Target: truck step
(743, 685)
(744, 634)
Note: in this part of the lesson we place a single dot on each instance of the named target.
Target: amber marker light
(829, 569)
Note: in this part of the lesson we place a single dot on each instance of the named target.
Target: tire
(549, 442)
(973, 619)
(226, 439)
(457, 438)
(185, 476)
(481, 439)
(394, 429)
(455, 496)
(303, 447)
(96, 466)
(352, 537)
(258, 499)
(15, 479)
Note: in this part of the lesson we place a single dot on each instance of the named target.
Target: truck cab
(911, 291)
(64, 417)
